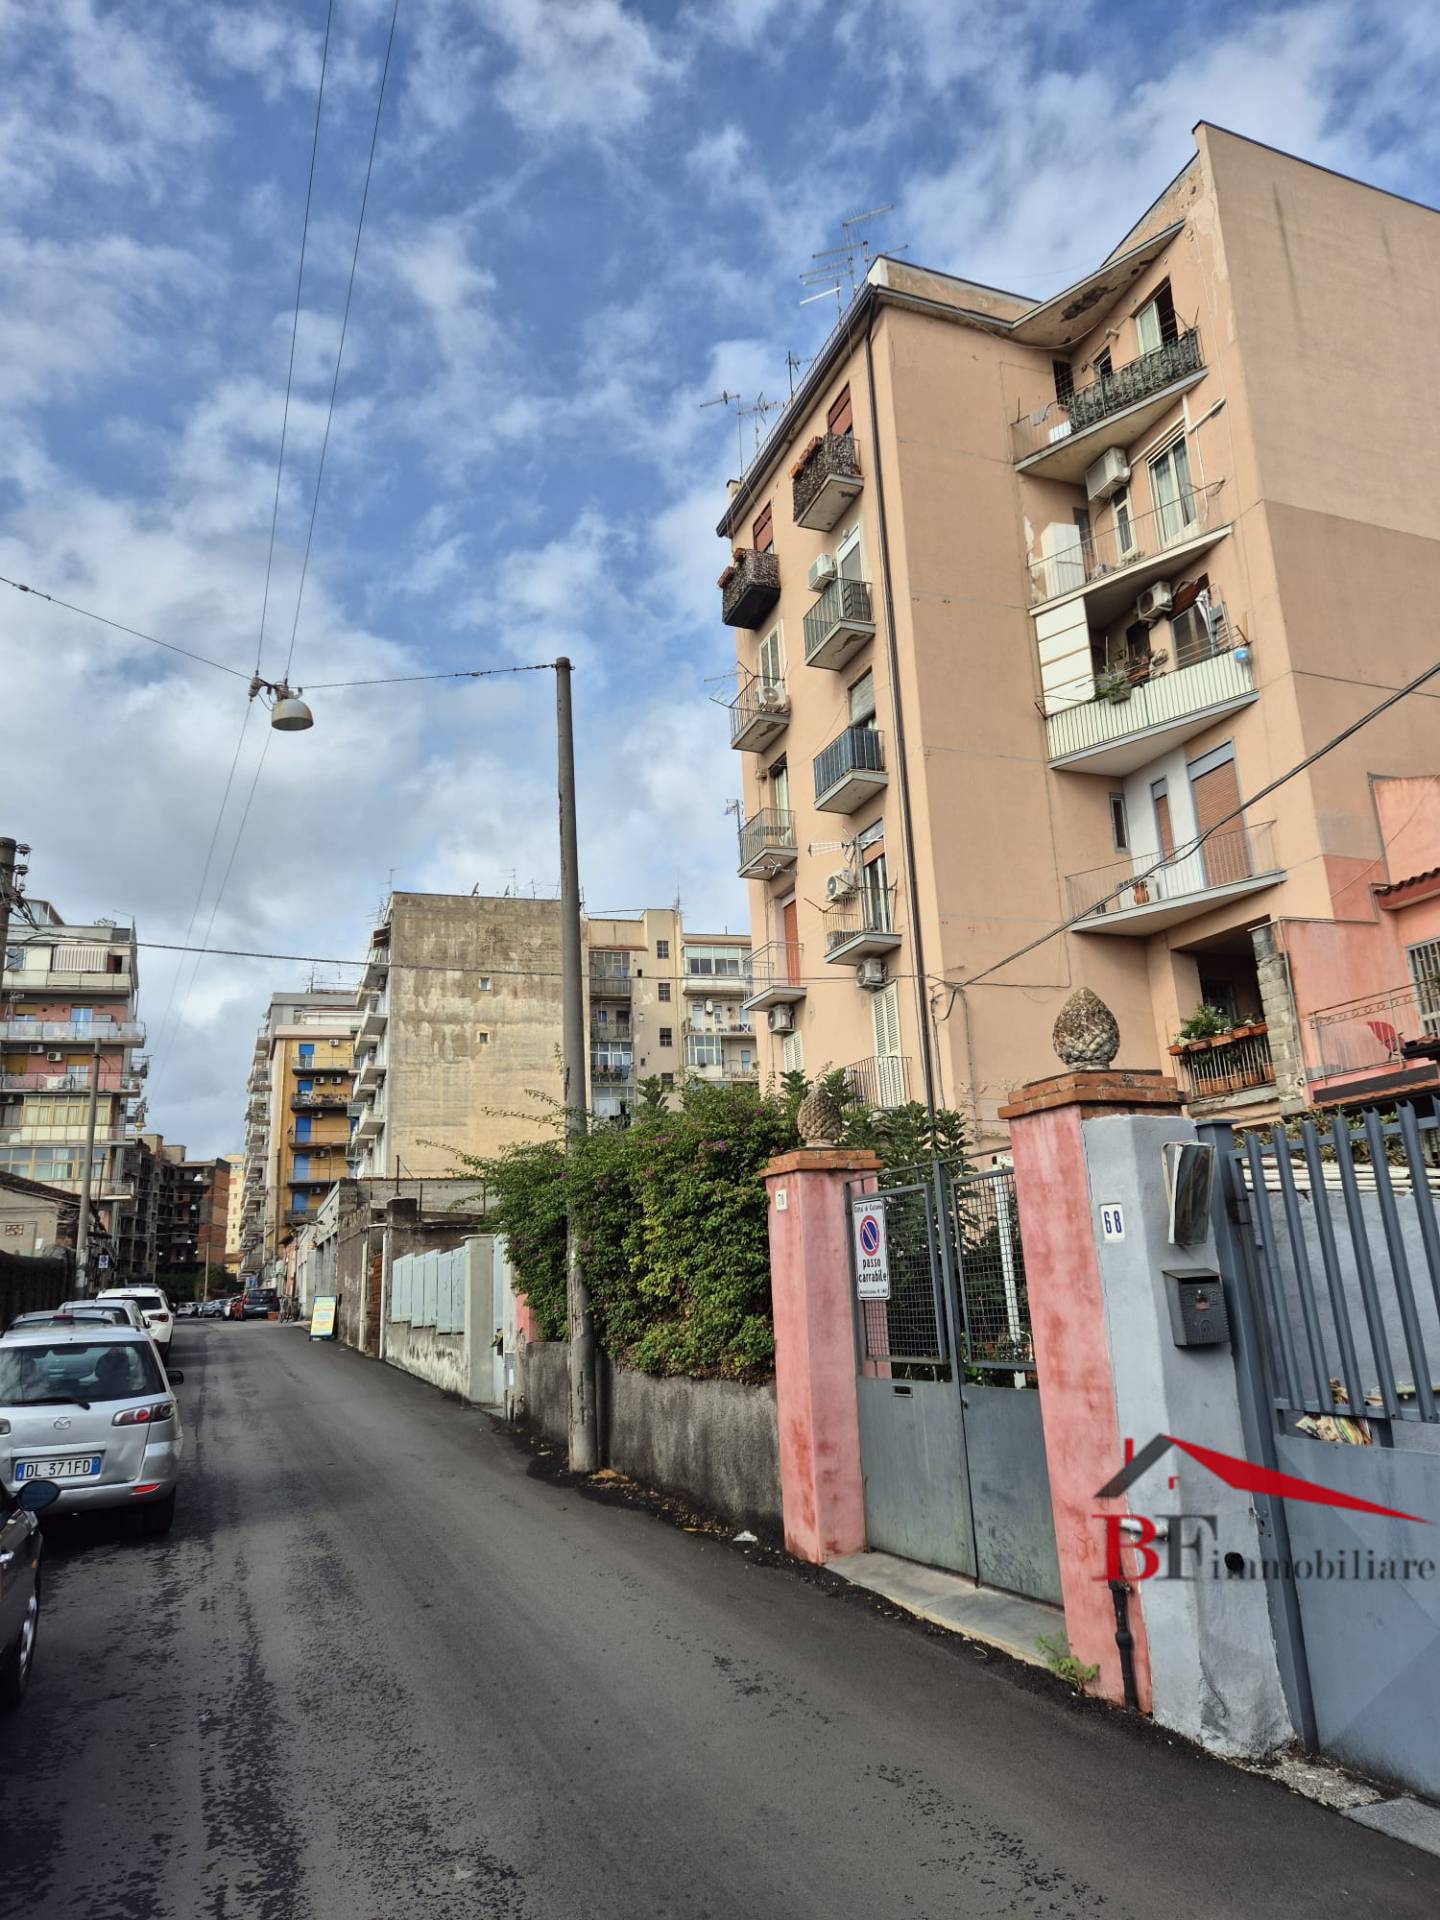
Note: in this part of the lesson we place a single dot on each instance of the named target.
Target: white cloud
(580, 68)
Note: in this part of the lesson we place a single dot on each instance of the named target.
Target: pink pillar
(1072, 1350)
(821, 1489)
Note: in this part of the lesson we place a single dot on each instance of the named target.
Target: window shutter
(841, 417)
(762, 534)
(1227, 855)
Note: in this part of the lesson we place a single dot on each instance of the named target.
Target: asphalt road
(382, 1669)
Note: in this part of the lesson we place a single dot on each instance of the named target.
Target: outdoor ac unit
(822, 570)
(1153, 604)
(1108, 475)
(780, 1020)
(39, 1049)
(839, 886)
(870, 974)
(54, 1056)
(334, 1043)
(770, 698)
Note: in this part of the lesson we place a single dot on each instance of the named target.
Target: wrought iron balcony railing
(759, 712)
(1229, 1063)
(1395, 1029)
(1228, 858)
(1086, 559)
(749, 587)
(1139, 379)
(768, 839)
(841, 621)
(857, 752)
(883, 1081)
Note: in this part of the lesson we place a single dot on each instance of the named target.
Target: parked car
(20, 1548)
(91, 1408)
(260, 1304)
(104, 1316)
(187, 1309)
(214, 1309)
(130, 1314)
(154, 1307)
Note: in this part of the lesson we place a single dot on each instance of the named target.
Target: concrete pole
(584, 1425)
(82, 1230)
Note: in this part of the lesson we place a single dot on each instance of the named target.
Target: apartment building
(66, 989)
(234, 1203)
(461, 1023)
(1030, 595)
(297, 1129)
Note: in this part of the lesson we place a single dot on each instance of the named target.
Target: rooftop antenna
(727, 399)
(758, 410)
(837, 264)
(794, 364)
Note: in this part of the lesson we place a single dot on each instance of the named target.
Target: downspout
(892, 654)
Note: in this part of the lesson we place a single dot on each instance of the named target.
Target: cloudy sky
(587, 217)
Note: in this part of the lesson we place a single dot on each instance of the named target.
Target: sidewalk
(953, 1600)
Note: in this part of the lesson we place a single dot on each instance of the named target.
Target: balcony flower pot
(1140, 893)
(806, 456)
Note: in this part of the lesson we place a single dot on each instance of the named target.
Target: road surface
(381, 1669)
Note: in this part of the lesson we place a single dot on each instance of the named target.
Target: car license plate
(74, 1466)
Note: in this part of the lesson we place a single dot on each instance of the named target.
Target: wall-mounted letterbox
(1197, 1307)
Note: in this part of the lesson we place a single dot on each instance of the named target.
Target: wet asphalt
(382, 1667)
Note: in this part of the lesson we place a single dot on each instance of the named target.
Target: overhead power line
(120, 627)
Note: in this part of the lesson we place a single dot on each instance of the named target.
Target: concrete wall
(710, 1442)
(444, 1308)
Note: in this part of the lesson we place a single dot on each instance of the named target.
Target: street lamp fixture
(288, 712)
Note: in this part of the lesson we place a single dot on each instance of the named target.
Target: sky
(587, 218)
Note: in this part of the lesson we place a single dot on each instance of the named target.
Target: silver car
(91, 1409)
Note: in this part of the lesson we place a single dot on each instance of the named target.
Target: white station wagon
(90, 1408)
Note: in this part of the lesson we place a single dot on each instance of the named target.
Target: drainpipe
(892, 655)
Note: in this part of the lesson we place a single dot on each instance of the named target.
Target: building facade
(1031, 596)
(68, 990)
(234, 1203)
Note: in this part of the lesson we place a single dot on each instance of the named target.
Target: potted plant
(1205, 1026)
(1112, 685)
(1141, 667)
(1140, 893)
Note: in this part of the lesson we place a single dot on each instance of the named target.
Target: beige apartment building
(1029, 595)
(458, 1047)
(234, 1201)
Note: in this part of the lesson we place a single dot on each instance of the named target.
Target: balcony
(1230, 864)
(749, 587)
(297, 1216)
(839, 624)
(371, 1123)
(75, 1082)
(1118, 732)
(850, 771)
(1227, 1067)
(827, 479)
(1111, 566)
(606, 985)
(1063, 439)
(729, 1027)
(759, 714)
(608, 1065)
(717, 984)
(322, 1100)
(1386, 1043)
(68, 980)
(370, 1077)
(779, 980)
(860, 929)
(110, 1033)
(767, 843)
(371, 1030)
(377, 968)
(883, 1081)
(303, 1143)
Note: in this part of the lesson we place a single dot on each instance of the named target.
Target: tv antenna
(836, 265)
(758, 411)
(727, 399)
(794, 364)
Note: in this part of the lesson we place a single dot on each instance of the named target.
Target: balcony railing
(883, 1081)
(749, 587)
(1228, 858)
(693, 982)
(828, 481)
(1140, 379)
(323, 1097)
(778, 973)
(861, 927)
(759, 713)
(1200, 685)
(77, 1082)
(1085, 560)
(609, 1064)
(1230, 1063)
(767, 841)
(1395, 1029)
(726, 1028)
(110, 1033)
(840, 622)
(609, 986)
(850, 769)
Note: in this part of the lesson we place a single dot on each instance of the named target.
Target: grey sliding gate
(1332, 1236)
(950, 1440)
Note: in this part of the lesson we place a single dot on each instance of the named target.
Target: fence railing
(778, 964)
(1139, 379)
(868, 911)
(1375, 1032)
(1227, 1064)
(110, 1033)
(1232, 855)
(857, 749)
(771, 831)
(881, 1081)
(1199, 682)
(844, 602)
(1084, 559)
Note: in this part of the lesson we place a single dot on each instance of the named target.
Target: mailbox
(1197, 1307)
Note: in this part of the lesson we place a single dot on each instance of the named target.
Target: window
(1064, 375)
(306, 1053)
(482, 1036)
(862, 701)
(667, 1079)
(663, 991)
(1215, 794)
(667, 1036)
(302, 1166)
(841, 417)
(1160, 800)
(1102, 364)
(780, 786)
(1155, 323)
(762, 533)
(792, 1053)
(848, 563)
(1124, 529)
(704, 1050)
(769, 667)
(662, 949)
(1119, 825)
(1171, 491)
(1087, 540)
(483, 984)
(303, 1124)
(869, 836)
(1423, 960)
(304, 1086)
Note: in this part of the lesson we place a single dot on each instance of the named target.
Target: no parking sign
(872, 1259)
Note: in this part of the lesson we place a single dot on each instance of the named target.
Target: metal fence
(994, 1299)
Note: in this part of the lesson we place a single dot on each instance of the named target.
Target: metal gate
(951, 1446)
(1331, 1245)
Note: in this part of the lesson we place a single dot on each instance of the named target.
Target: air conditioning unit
(822, 571)
(334, 1043)
(771, 699)
(54, 1056)
(840, 885)
(1108, 475)
(870, 974)
(39, 1049)
(1153, 604)
(780, 1020)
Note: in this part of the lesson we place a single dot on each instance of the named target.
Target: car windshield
(40, 1374)
(149, 1302)
(91, 1310)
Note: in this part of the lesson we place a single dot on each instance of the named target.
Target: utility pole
(8, 851)
(82, 1231)
(584, 1426)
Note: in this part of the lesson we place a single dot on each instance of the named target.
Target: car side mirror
(175, 1376)
(36, 1495)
